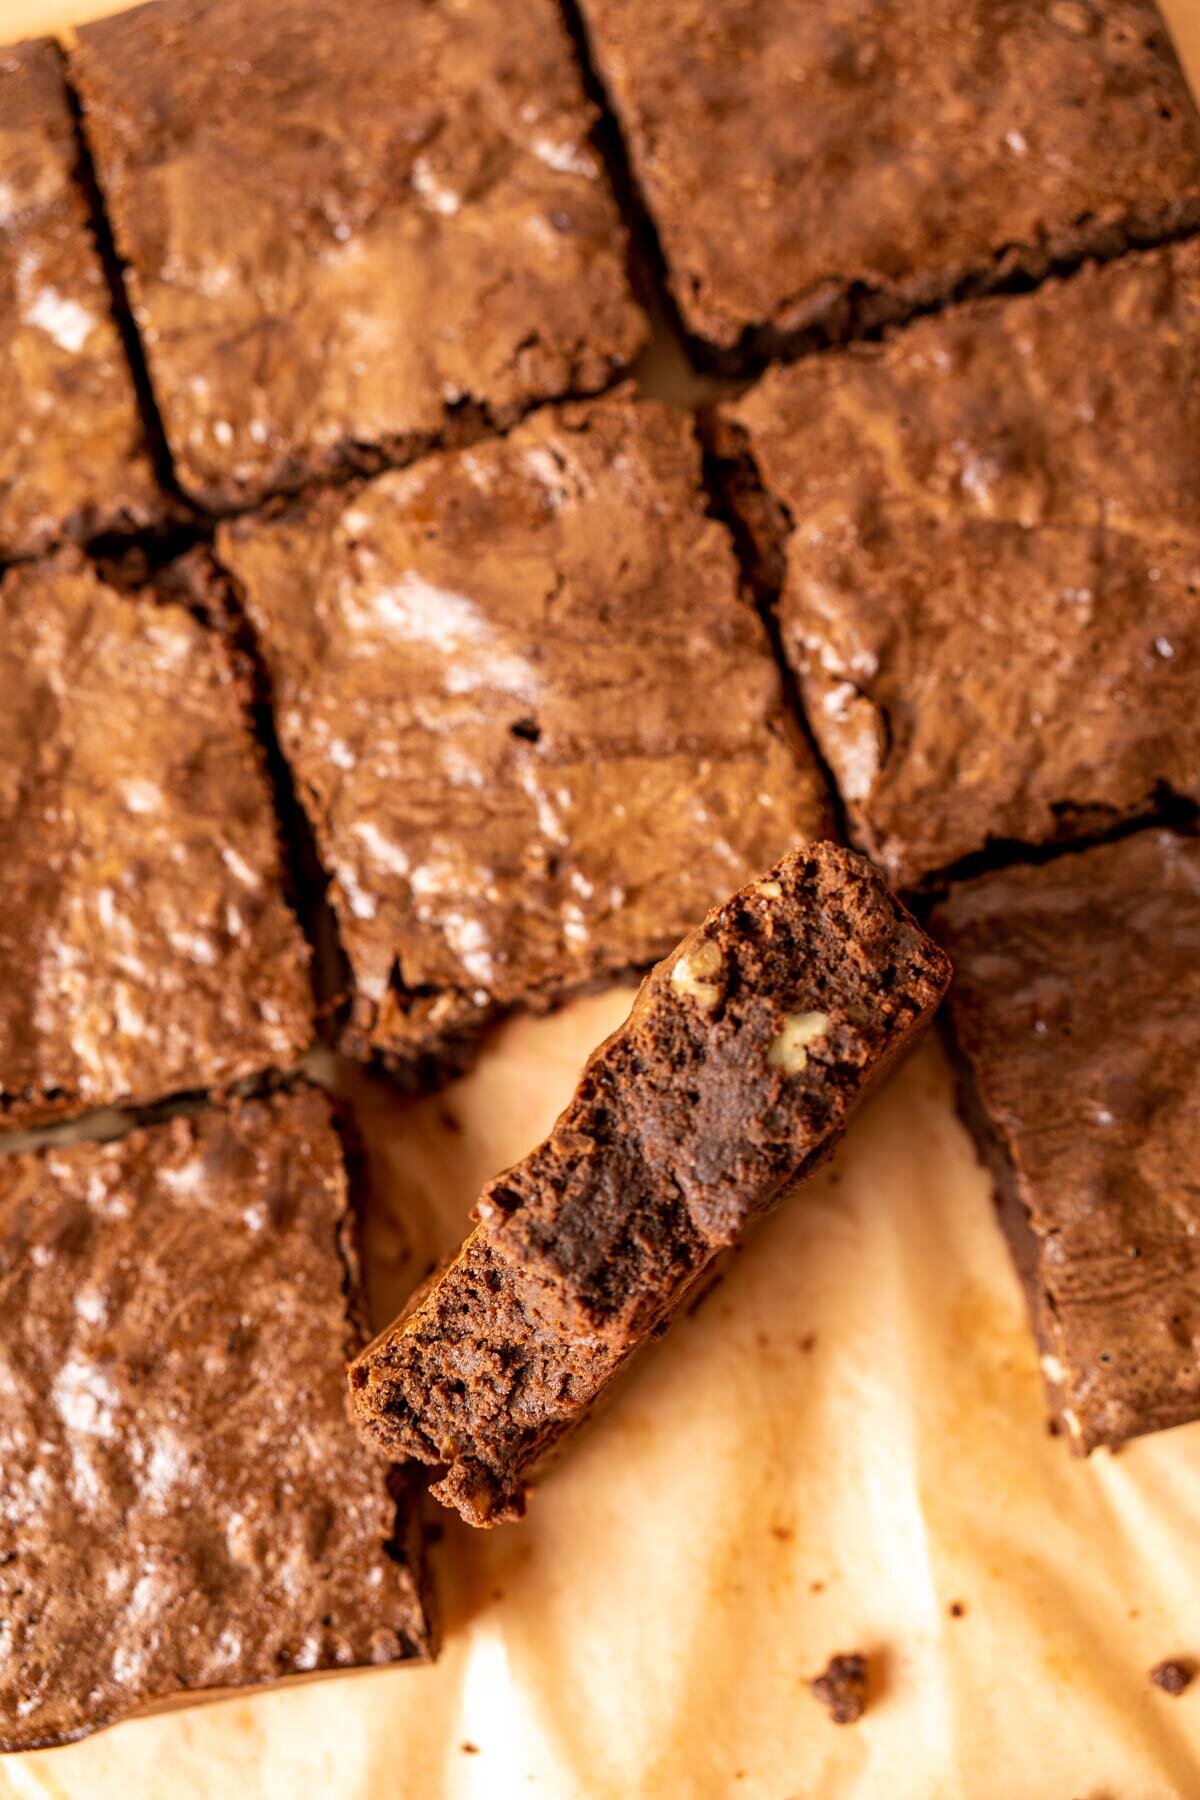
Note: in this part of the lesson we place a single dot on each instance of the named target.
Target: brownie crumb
(842, 1687)
(956, 1609)
(469, 1749)
(1172, 1677)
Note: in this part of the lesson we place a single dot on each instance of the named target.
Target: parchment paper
(845, 1439)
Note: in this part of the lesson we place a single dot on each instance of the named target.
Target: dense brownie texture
(537, 729)
(183, 1503)
(827, 167)
(352, 230)
(989, 584)
(1076, 1008)
(735, 1073)
(145, 942)
(72, 455)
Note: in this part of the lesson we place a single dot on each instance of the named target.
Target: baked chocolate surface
(175, 1304)
(537, 729)
(990, 574)
(145, 943)
(827, 167)
(734, 1074)
(73, 460)
(350, 231)
(1076, 1008)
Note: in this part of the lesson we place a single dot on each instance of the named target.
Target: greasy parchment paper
(843, 1440)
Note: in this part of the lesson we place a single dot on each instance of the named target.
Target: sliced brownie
(744, 1053)
(987, 533)
(1076, 1009)
(183, 1503)
(73, 459)
(536, 727)
(352, 230)
(145, 942)
(830, 166)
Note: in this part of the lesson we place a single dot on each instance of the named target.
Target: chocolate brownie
(73, 459)
(537, 729)
(990, 560)
(824, 168)
(145, 942)
(352, 231)
(183, 1503)
(744, 1053)
(1076, 1008)
(842, 1687)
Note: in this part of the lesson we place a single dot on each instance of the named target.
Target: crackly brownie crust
(145, 943)
(825, 168)
(745, 1051)
(73, 460)
(990, 570)
(175, 1303)
(1076, 1011)
(536, 727)
(414, 232)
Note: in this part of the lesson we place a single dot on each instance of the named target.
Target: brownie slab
(174, 1305)
(73, 460)
(744, 1053)
(536, 727)
(987, 534)
(1076, 1010)
(145, 942)
(413, 231)
(824, 168)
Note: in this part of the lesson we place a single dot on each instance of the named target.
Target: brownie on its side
(990, 557)
(537, 729)
(183, 1503)
(829, 167)
(744, 1053)
(73, 460)
(1076, 1009)
(413, 230)
(145, 943)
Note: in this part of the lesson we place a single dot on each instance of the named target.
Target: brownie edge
(743, 1055)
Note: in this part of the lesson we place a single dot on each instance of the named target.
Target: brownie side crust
(73, 458)
(146, 946)
(990, 560)
(1076, 1014)
(535, 726)
(415, 236)
(744, 1053)
(184, 1504)
(818, 170)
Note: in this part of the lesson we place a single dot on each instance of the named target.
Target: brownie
(990, 560)
(145, 942)
(537, 729)
(842, 1687)
(73, 460)
(176, 1303)
(820, 169)
(352, 231)
(744, 1053)
(1076, 1010)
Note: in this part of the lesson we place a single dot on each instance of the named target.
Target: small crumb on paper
(1172, 1677)
(842, 1688)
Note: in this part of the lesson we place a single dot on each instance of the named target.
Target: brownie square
(145, 942)
(743, 1057)
(823, 168)
(536, 727)
(73, 460)
(1076, 1008)
(183, 1503)
(352, 231)
(987, 532)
